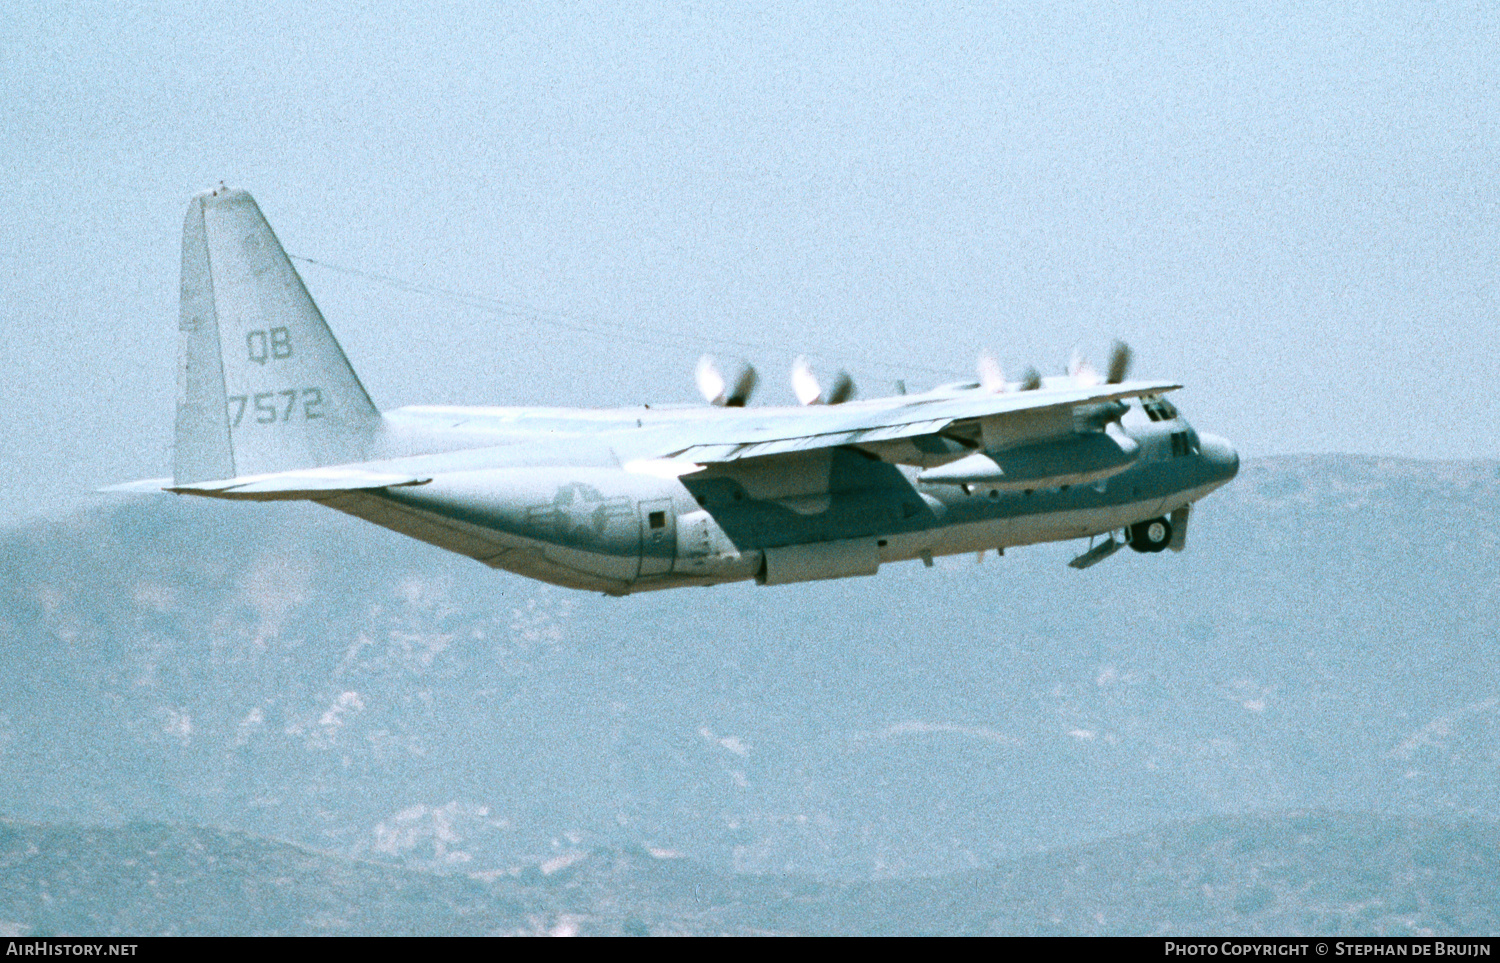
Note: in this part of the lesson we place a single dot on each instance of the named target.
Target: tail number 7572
(272, 407)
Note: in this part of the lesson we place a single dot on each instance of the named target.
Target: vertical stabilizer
(262, 384)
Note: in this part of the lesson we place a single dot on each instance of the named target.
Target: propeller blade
(710, 381)
(804, 383)
(1119, 363)
(991, 378)
(842, 390)
(744, 387)
(1031, 380)
(1081, 372)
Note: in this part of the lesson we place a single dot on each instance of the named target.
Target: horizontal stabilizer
(303, 483)
(146, 486)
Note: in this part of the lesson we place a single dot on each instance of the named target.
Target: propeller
(1081, 372)
(809, 392)
(1108, 414)
(991, 378)
(711, 383)
(804, 383)
(716, 390)
(1084, 375)
(842, 390)
(744, 387)
(1119, 363)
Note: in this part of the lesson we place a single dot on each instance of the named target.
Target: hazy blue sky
(1293, 209)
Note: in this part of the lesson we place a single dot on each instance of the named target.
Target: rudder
(263, 386)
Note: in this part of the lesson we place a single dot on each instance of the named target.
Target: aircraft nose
(1221, 455)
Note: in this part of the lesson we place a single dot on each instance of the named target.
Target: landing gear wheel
(1151, 536)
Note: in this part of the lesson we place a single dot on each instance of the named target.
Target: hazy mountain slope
(1327, 641)
(1300, 873)
(146, 879)
(1273, 874)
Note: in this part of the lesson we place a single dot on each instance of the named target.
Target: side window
(1158, 409)
(1183, 444)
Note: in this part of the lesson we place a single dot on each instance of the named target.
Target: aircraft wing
(1016, 417)
(300, 484)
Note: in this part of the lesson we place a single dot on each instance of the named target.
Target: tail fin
(262, 386)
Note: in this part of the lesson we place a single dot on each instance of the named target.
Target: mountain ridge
(1325, 642)
(1296, 873)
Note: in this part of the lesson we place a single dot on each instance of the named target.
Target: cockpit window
(1183, 444)
(1158, 408)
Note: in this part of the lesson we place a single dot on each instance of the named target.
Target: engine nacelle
(1078, 460)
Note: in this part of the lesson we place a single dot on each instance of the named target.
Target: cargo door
(658, 537)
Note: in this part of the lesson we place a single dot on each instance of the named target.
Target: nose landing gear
(1151, 536)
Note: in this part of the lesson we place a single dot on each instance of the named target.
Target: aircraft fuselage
(628, 500)
(574, 498)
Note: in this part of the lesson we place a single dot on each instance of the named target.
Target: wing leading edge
(1016, 418)
(301, 484)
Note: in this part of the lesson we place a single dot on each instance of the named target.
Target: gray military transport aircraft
(629, 499)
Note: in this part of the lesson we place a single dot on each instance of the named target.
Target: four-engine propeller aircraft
(631, 499)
